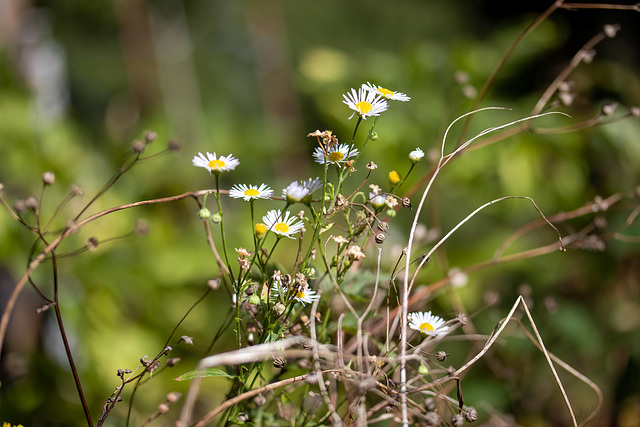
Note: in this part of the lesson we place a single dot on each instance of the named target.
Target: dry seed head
(611, 30)
(150, 136)
(214, 284)
(259, 400)
(442, 356)
(430, 404)
(406, 202)
(138, 147)
(279, 362)
(92, 243)
(371, 166)
(32, 203)
(462, 319)
(457, 420)
(432, 419)
(173, 397)
(470, 415)
(48, 178)
(19, 206)
(380, 238)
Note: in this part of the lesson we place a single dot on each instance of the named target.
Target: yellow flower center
(394, 177)
(216, 164)
(336, 156)
(386, 92)
(281, 227)
(252, 192)
(364, 107)
(425, 328)
(300, 294)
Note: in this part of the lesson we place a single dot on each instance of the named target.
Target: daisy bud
(48, 178)
(423, 370)
(279, 308)
(204, 213)
(457, 420)
(608, 109)
(20, 206)
(374, 136)
(394, 178)
(216, 218)
(261, 230)
(635, 112)
(173, 397)
(173, 145)
(163, 408)
(254, 299)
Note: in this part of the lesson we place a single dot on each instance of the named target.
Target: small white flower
(251, 192)
(284, 226)
(355, 253)
(335, 155)
(300, 191)
(428, 324)
(365, 103)
(390, 201)
(385, 93)
(303, 294)
(377, 200)
(416, 155)
(215, 164)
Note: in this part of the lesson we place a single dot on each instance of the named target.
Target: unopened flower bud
(173, 145)
(173, 362)
(374, 136)
(423, 370)
(254, 299)
(635, 112)
(261, 230)
(48, 178)
(608, 109)
(279, 308)
(216, 218)
(92, 243)
(77, 191)
(163, 408)
(611, 30)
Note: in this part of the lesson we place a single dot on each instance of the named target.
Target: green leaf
(203, 373)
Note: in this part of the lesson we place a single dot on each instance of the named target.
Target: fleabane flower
(301, 293)
(428, 324)
(215, 164)
(251, 192)
(335, 155)
(416, 155)
(385, 93)
(282, 225)
(300, 191)
(365, 103)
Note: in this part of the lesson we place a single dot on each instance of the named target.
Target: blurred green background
(79, 81)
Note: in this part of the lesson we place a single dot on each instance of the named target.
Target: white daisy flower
(283, 226)
(251, 192)
(416, 155)
(300, 191)
(385, 93)
(215, 164)
(304, 294)
(365, 103)
(335, 155)
(428, 324)
(377, 200)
